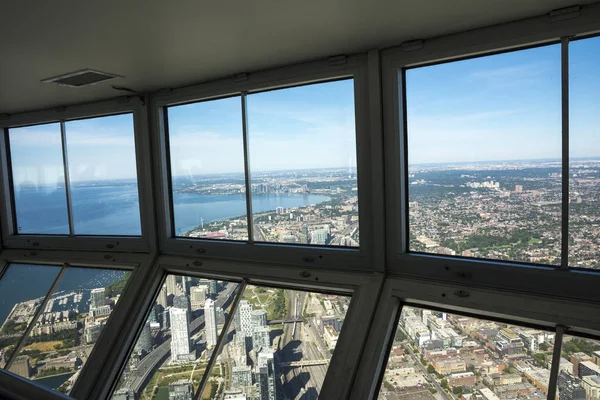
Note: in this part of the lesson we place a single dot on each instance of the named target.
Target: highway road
(153, 359)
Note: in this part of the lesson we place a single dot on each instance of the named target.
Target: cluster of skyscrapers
(253, 373)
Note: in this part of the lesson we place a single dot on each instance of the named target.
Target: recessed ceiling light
(85, 77)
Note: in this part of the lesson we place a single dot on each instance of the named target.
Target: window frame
(512, 36)
(139, 266)
(124, 105)
(344, 361)
(368, 147)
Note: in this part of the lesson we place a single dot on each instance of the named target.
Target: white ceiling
(156, 43)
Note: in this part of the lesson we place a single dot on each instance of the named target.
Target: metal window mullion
(63, 136)
(36, 315)
(564, 61)
(221, 340)
(247, 169)
(554, 369)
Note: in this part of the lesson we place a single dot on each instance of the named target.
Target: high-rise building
(172, 285)
(97, 298)
(260, 338)
(180, 335)
(241, 376)
(181, 390)
(92, 331)
(210, 322)
(258, 318)
(183, 302)
(124, 394)
(319, 236)
(265, 374)
(197, 296)
(243, 318)
(162, 297)
(144, 342)
(210, 284)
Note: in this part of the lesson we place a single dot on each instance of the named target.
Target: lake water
(114, 209)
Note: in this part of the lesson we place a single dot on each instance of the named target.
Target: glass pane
(579, 371)
(207, 169)
(177, 339)
(584, 136)
(484, 154)
(303, 165)
(68, 328)
(103, 175)
(39, 179)
(439, 356)
(22, 291)
(279, 346)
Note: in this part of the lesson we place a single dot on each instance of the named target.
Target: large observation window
(435, 355)
(303, 164)
(484, 156)
(207, 169)
(279, 345)
(100, 191)
(62, 326)
(298, 146)
(584, 157)
(178, 338)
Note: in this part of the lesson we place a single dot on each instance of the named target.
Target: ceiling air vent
(81, 78)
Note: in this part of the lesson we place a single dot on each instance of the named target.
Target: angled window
(99, 195)
(103, 176)
(484, 156)
(278, 346)
(38, 179)
(66, 325)
(438, 355)
(579, 369)
(584, 157)
(178, 338)
(207, 169)
(303, 176)
(22, 292)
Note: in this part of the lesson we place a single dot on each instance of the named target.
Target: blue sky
(98, 148)
(500, 107)
(303, 127)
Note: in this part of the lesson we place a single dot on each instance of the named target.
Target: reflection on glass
(579, 369)
(177, 339)
(436, 355)
(103, 177)
(38, 179)
(303, 165)
(279, 345)
(207, 169)
(69, 326)
(484, 155)
(584, 136)
(22, 290)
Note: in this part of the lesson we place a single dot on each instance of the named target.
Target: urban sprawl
(439, 356)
